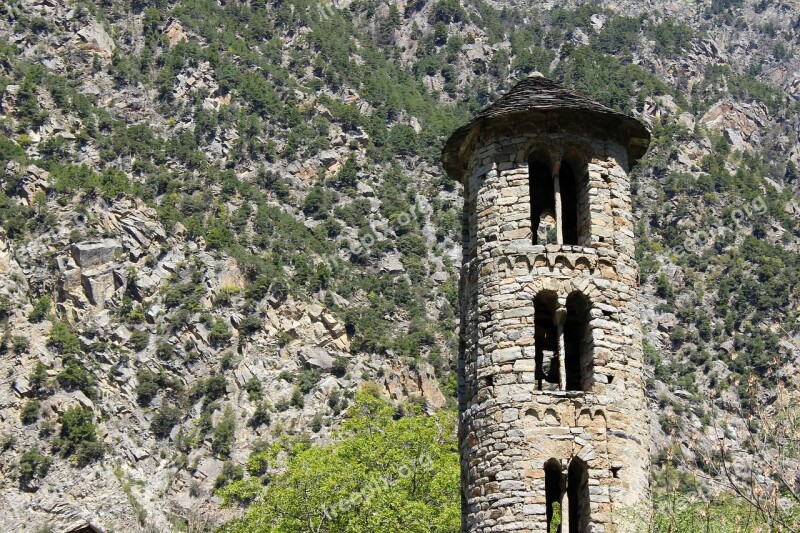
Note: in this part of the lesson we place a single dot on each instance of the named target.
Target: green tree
(380, 474)
(224, 433)
(78, 437)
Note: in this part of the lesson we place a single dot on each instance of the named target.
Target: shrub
(147, 386)
(297, 398)
(254, 389)
(37, 379)
(32, 465)
(164, 350)
(347, 175)
(307, 380)
(30, 412)
(215, 387)
(283, 338)
(20, 344)
(63, 340)
(76, 377)
(230, 472)
(317, 203)
(78, 436)
(40, 310)
(164, 420)
(261, 416)
(224, 433)
(339, 366)
(250, 324)
(139, 340)
(219, 333)
(316, 422)
(258, 463)
(229, 360)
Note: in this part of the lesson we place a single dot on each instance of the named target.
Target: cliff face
(218, 220)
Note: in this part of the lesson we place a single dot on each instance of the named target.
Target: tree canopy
(381, 474)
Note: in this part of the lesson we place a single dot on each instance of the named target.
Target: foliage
(40, 309)
(380, 474)
(30, 412)
(37, 379)
(32, 465)
(224, 433)
(78, 437)
(164, 420)
(139, 339)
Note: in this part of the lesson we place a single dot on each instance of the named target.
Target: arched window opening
(553, 491)
(543, 199)
(546, 339)
(578, 496)
(578, 345)
(569, 203)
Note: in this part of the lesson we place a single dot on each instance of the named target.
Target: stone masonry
(551, 395)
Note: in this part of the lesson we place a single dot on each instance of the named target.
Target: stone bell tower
(551, 394)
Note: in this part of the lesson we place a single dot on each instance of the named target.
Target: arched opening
(569, 203)
(578, 345)
(578, 496)
(553, 491)
(546, 339)
(542, 196)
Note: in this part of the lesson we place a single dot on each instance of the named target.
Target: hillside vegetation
(221, 220)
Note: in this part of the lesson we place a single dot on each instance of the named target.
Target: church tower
(551, 393)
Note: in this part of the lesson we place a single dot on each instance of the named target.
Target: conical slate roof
(537, 94)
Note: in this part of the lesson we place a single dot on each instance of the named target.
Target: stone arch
(599, 421)
(578, 343)
(551, 417)
(582, 263)
(584, 417)
(554, 489)
(562, 261)
(533, 413)
(504, 264)
(607, 269)
(578, 496)
(521, 262)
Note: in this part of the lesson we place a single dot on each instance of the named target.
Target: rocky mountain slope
(218, 220)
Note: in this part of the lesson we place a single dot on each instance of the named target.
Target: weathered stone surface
(90, 254)
(317, 358)
(97, 39)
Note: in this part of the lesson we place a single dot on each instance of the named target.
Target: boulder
(98, 285)
(317, 358)
(97, 39)
(392, 264)
(95, 253)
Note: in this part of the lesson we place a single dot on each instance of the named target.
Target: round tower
(551, 393)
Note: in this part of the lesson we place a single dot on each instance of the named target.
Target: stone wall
(510, 425)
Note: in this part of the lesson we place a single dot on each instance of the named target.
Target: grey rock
(94, 253)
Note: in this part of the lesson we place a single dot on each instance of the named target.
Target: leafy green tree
(380, 474)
